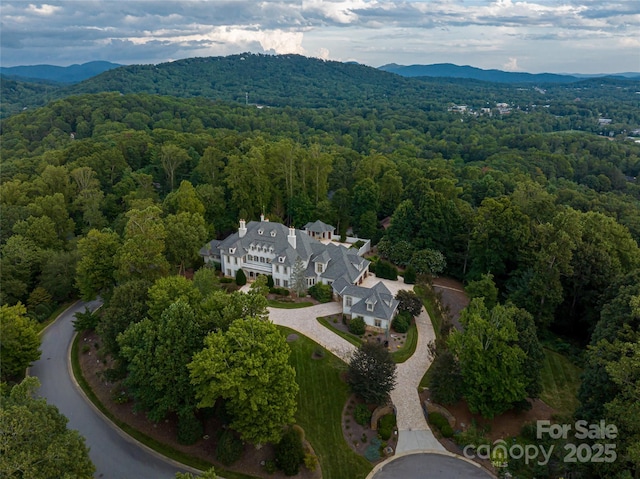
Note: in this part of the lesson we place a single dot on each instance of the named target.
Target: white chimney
(243, 229)
(262, 217)
(292, 237)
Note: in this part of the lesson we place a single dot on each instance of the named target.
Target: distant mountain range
(298, 82)
(449, 70)
(52, 73)
(78, 73)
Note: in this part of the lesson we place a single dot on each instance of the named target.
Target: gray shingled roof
(319, 227)
(385, 305)
(211, 248)
(340, 261)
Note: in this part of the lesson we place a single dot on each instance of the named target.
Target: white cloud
(511, 65)
(43, 9)
(597, 35)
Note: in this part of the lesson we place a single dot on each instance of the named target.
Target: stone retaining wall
(378, 413)
(433, 407)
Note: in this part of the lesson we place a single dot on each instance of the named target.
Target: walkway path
(413, 431)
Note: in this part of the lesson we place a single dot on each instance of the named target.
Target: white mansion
(269, 248)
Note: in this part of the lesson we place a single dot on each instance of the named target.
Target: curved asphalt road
(115, 455)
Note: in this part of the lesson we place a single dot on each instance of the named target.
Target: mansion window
(348, 301)
(277, 281)
(319, 267)
(285, 283)
(277, 269)
(369, 306)
(378, 323)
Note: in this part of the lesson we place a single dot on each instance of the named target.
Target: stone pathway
(413, 431)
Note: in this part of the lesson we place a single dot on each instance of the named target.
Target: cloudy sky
(581, 36)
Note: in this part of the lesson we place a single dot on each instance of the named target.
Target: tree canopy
(35, 441)
(248, 366)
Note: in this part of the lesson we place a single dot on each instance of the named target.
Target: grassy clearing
(273, 303)
(157, 446)
(428, 300)
(353, 339)
(425, 293)
(321, 399)
(560, 382)
(409, 346)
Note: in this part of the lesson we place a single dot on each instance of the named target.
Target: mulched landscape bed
(93, 363)
(362, 437)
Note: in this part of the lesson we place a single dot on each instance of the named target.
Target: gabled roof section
(343, 263)
(384, 304)
(271, 235)
(319, 227)
(212, 248)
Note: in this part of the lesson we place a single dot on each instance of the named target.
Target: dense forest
(544, 198)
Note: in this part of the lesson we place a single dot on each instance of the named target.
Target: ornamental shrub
(229, 448)
(362, 415)
(410, 275)
(189, 427)
(289, 452)
(386, 270)
(321, 292)
(357, 326)
(386, 425)
(401, 322)
(241, 278)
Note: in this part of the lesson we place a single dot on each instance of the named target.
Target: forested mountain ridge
(296, 81)
(53, 73)
(449, 70)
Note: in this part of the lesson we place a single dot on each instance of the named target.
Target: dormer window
(232, 250)
(370, 306)
(273, 233)
(260, 232)
(281, 259)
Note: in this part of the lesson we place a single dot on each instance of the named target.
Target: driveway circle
(429, 465)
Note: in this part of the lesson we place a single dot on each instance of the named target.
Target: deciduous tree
(491, 361)
(157, 352)
(248, 366)
(35, 441)
(95, 273)
(141, 256)
(19, 341)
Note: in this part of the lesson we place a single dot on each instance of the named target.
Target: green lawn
(409, 346)
(288, 304)
(560, 382)
(320, 402)
(352, 338)
(428, 300)
(399, 356)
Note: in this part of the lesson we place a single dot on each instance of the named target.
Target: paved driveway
(429, 466)
(413, 431)
(115, 454)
